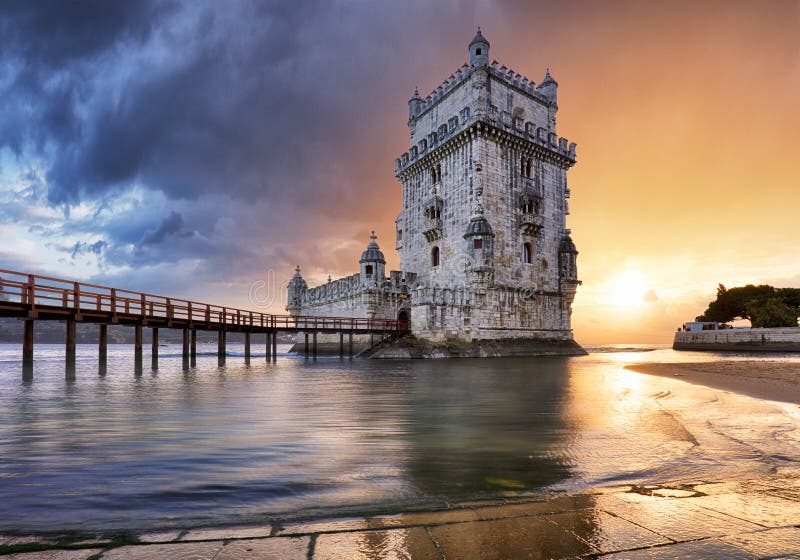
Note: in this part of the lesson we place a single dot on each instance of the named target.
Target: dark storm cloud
(233, 97)
(171, 225)
(233, 123)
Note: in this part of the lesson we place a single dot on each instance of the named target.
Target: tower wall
(484, 141)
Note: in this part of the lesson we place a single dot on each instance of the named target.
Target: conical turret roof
(373, 252)
(479, 38)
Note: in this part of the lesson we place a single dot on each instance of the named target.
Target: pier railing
(31, 293)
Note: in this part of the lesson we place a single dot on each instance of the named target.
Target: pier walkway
(33, 297)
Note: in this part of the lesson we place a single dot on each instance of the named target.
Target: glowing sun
(627, 289)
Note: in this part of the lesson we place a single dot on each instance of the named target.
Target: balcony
(432, 230)
(530, 224)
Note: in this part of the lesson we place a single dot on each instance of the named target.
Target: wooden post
(268, 343)
(305, 348)
(221, 346)
(77, 297)
(274, 345)
(247, 347)
(27, 341)
(194, 344)
(70, 340)
(137, 349)
(185, 343)
(102, 343)
(154, 348)
(341, 344)
(315, 345)
(137, 341)
(102, 350)
(31, 289)
(185, 349)
(350, 343)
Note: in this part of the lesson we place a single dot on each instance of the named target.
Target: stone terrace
(708, 520)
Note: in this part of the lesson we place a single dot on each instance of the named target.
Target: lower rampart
(785, 339)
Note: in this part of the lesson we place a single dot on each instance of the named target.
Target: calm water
(221, 445)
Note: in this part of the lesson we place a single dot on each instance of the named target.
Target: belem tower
(487, 264)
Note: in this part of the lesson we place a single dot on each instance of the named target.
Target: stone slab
(557, 505)
(82, 554)
(770, 543)
(674, 518)
(276, 548)
(422, 518)
(394, 544)
(160, 537)
(174, 551)
(698, 550)
(244, 532)
(520, 537)
(766, 510)
(606, 532)
(323, 526)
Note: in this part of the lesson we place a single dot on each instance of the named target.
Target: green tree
(732, 303)
(771, 313)
(761, 305)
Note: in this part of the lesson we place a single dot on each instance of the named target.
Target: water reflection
(230, 443)
(473, 429)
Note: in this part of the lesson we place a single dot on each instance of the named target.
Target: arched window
(368, 270)
(477, 243)
(435, 256)
(527, 253)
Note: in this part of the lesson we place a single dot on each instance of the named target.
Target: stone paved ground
(725, 520)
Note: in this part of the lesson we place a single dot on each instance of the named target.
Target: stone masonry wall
(778, 339)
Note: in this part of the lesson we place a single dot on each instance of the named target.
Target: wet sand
(763, 379)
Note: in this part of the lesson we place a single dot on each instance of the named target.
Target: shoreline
(770, 380)
(697, 519)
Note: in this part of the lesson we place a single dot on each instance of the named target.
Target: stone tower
(485, 200)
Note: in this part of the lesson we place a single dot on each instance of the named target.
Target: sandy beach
(764, 379)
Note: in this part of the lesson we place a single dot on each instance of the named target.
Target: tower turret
(549, 87)
(414, 105)
(479, 239)
(479, 50)
(296, 289)
(372, 263)
(567, 259)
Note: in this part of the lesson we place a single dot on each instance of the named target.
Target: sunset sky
(190, 148)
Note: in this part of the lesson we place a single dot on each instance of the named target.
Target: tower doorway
(404, 319)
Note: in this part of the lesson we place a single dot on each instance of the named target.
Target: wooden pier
(32, 297)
